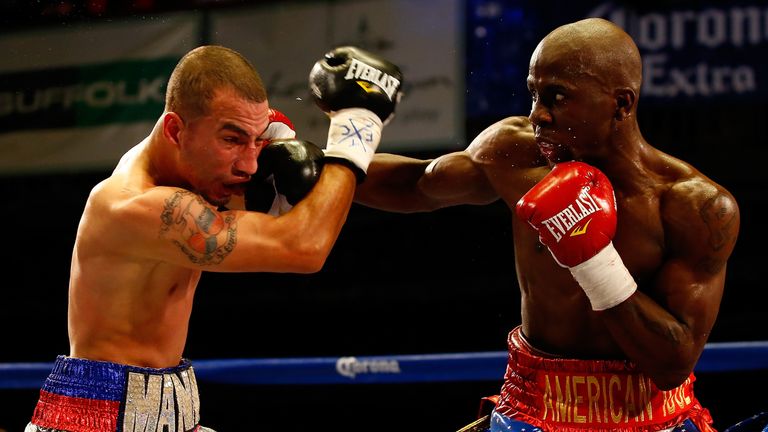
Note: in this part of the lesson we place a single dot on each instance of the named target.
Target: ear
(625, 98)
(173, 125)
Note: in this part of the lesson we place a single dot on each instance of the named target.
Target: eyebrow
(235, 128)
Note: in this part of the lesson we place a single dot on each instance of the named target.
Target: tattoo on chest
(203, 234)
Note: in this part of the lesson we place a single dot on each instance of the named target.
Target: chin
(217, 201)
(558, 158)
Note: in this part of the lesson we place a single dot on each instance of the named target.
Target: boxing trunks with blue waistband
(547, 393)
(95, 396)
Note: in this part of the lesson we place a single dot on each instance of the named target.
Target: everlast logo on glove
(359, 70)
(569, 199)
(359, 91)
(567, 218)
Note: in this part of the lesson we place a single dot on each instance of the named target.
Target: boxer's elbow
(669, 380)
(308, 255)
(310, 267)
(678, 363)
(672, 375)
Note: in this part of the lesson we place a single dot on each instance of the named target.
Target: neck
(625, 154)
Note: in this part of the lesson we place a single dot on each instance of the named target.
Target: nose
(247, 161)
(539, 115)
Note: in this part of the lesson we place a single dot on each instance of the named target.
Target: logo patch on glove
(362, 72)
(580, 230)
(559, 224)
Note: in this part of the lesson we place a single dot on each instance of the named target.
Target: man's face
(571, 110)
(219, 149)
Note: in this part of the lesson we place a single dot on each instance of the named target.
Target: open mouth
(554, 152)
(547, 148)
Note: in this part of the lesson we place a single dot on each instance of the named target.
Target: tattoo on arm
(720, 218)
(202, 233)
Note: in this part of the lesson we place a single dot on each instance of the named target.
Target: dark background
(395, 284)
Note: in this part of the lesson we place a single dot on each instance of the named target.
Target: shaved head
(206, 69)
(593, 48)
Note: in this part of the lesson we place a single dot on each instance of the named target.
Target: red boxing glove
(573, 208)
(279, 126)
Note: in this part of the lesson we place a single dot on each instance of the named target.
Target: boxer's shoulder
(508, 142)
(516, 130)
(686, 189)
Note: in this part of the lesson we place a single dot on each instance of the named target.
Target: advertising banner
(693, 52)
(423, 37)
(78, 97)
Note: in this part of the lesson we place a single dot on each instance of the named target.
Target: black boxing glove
(293, 165)
(349, 77)
(359, 91)
(261, 193)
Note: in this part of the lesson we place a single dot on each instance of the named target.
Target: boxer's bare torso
(654, 201)
(675, 230)
(125, 306)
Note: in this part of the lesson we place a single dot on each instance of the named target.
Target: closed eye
(234, 134)
(235, 139)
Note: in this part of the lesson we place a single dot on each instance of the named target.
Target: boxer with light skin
(173, 208)
(621, 257)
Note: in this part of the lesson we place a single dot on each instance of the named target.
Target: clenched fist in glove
(359, 91)
(288, 169)
(573, 208)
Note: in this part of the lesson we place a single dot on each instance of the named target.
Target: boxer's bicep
(701, 226)
(176, 226)
(456, 179)
(203, 235)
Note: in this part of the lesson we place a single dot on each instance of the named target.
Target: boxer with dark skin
(676, 228)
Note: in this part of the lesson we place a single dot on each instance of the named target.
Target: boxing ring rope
(474, 366)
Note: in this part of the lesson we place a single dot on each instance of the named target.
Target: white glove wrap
(354, 135)
(280, 204)
(278, 130)
(604, 279)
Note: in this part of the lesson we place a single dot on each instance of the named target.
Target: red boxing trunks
(94, 396)
(568, 395)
